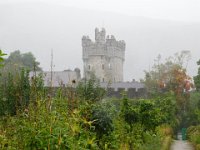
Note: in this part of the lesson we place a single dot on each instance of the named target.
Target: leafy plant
(90, 90)
(1, 57)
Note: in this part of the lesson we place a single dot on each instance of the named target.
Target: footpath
(181, 145)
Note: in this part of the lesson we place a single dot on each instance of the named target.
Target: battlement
(86, 41)
(111, 41)
(102, 46)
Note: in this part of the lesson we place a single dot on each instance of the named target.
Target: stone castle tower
(104, 57)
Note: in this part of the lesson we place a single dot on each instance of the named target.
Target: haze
(148, 27)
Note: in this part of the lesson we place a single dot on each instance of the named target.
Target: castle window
(103, 80)
(103, 66)
(89, 67)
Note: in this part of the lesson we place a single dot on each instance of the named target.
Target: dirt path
(181, 145)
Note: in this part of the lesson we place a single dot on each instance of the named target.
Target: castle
(104, 57)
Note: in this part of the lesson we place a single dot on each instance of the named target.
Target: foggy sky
(148, 29)
(177, 10)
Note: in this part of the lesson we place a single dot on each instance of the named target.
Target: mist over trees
(17, 60)
(168, 74)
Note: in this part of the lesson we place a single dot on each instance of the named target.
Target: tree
(197, 78)
(17, 60)
(171, 75)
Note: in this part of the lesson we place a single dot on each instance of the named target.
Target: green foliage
(193, 115)
(94, 123)
(14, 81)
(102, 121)
(150, 116)
(167, 104)
(42, 129)
(197, 78)
(23, 87)
(37, 88)
(90, 90)
(1, 57)
(16, 92)
(169, 75)
(8, 96)
(142, 117)
(193, 134)
(152, 141)
(150, 113)
(129, 113)
(16, 60)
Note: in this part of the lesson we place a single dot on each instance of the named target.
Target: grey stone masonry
(59, 78)
(104, 57)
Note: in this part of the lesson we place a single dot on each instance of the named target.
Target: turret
(86, 41)
(104, 57)
(100, 35)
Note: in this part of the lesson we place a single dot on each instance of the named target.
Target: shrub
(90, 90)
(193, 134)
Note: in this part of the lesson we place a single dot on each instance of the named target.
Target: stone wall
(111, 93)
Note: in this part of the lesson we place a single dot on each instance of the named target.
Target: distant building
(104, 57)
(59, 78)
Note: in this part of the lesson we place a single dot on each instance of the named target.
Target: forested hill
(39, 27)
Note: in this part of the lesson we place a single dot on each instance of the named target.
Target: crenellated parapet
(86, 41)
(111, 41)
(109, 47)
(115, 48)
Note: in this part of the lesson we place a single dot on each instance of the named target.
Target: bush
(102, 121)
(90, 90)
(193, 134)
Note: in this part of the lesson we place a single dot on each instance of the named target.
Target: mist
(41, 27)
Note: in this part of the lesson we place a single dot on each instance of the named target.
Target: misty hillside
(40, 27)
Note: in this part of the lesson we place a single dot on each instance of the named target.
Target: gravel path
(181, 145)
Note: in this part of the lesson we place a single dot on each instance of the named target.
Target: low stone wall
(110, 92)
(131, 93)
